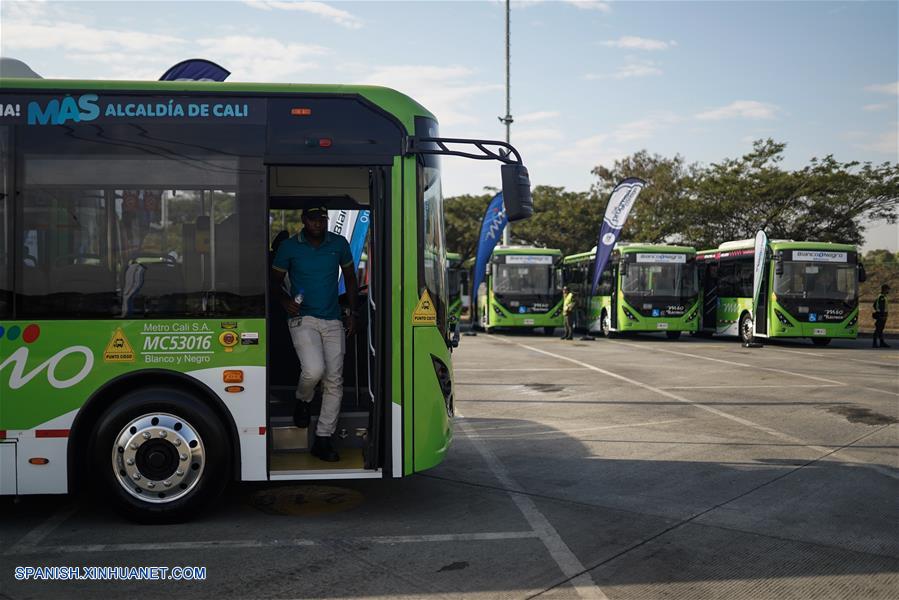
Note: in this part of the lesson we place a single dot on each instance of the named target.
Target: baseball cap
(315, 211)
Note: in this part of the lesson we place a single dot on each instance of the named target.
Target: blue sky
(591, 81)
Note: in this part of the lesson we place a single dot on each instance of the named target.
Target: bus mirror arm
(453, 342)
(516, 182)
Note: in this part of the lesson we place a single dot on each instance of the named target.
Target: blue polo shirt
(315, 271)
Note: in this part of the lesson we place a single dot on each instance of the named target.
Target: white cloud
(884, 88)
(742, 109)
(321, 9)
(536, 135)
(27, 35)
(533, 117)
(632, 42)
(875, 107)
(886, 142)
(445, 91)
(633, 68)
(260, 59)
(591, 5)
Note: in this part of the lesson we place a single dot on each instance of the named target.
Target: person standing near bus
(568, 312)
(881, 312)
(312, 259)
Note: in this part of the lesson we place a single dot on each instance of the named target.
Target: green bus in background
(522, 288)
(138, 351)
(644, 288)
(809, 289)
(455, 275)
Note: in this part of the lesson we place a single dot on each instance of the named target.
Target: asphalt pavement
(622, 469)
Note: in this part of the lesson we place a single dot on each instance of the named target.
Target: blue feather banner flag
(620, 202)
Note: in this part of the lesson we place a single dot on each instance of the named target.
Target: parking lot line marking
(735, 363)
(272, 543)
(742, 387)
(569, 564)
(830, 355)
(746, 422)
(878, 390)
(537, 369)
(36, 536)
(569, 431)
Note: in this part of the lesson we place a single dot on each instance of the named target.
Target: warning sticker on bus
(118, 349)
(424, 313)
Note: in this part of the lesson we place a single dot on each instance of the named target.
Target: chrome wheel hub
(158, 458)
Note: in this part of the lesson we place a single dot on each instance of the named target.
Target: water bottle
(295, 321)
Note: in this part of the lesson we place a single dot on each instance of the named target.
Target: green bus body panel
(527, 252)
(401, 106)
(510, 319)
(70, 360)
(651, 324)
(433, 427)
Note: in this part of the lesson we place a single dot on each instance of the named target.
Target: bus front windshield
(455, 283)
(524, 279)
(670, 280)
(816, 280)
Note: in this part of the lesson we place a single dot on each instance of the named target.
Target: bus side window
(5, 226)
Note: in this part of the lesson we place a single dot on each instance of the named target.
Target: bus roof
(396, 103)
(781, 245)
(526, 250)
(631, 248)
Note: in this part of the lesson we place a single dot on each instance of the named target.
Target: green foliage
(702, 206)
(880, 257)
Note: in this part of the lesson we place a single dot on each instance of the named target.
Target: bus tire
(159, 455)
(549, 330)
(746, 329)
(820, 341)
(605, 325)
(673, 335)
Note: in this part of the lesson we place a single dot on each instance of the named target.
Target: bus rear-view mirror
(517, 192)
(862, 276)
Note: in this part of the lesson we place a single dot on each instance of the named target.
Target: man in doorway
(568, 312)
(881, 312)
(312, 259)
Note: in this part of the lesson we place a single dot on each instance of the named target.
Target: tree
(463, 215)
(562, 219)
(663, 211)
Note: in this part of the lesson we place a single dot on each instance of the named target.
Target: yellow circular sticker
(229, 339)
(306, 500)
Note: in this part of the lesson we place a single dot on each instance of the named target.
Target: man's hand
(349, 323)
(290, 307)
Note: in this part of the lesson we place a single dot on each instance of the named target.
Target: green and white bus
(138, 350)
(644, 288)
(455, 274)
(809, 289)
(522, 288)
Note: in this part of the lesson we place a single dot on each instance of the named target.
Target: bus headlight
(557, 312)
(629, 314)
(446, 383)
(852, 322)
(692, 316)
(498, 312)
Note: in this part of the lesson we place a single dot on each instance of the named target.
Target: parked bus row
(808, 290)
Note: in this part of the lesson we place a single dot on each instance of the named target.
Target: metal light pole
(507, 120)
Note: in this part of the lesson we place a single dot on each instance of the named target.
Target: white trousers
(320, 345)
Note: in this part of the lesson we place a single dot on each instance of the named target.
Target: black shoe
(884, 345)
(323, 449)
(301, 414)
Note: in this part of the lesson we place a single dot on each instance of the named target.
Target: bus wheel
(820, 341)
(605, 325)
(549, 330)
(746, 325)
(159, 455)
(673, 335)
